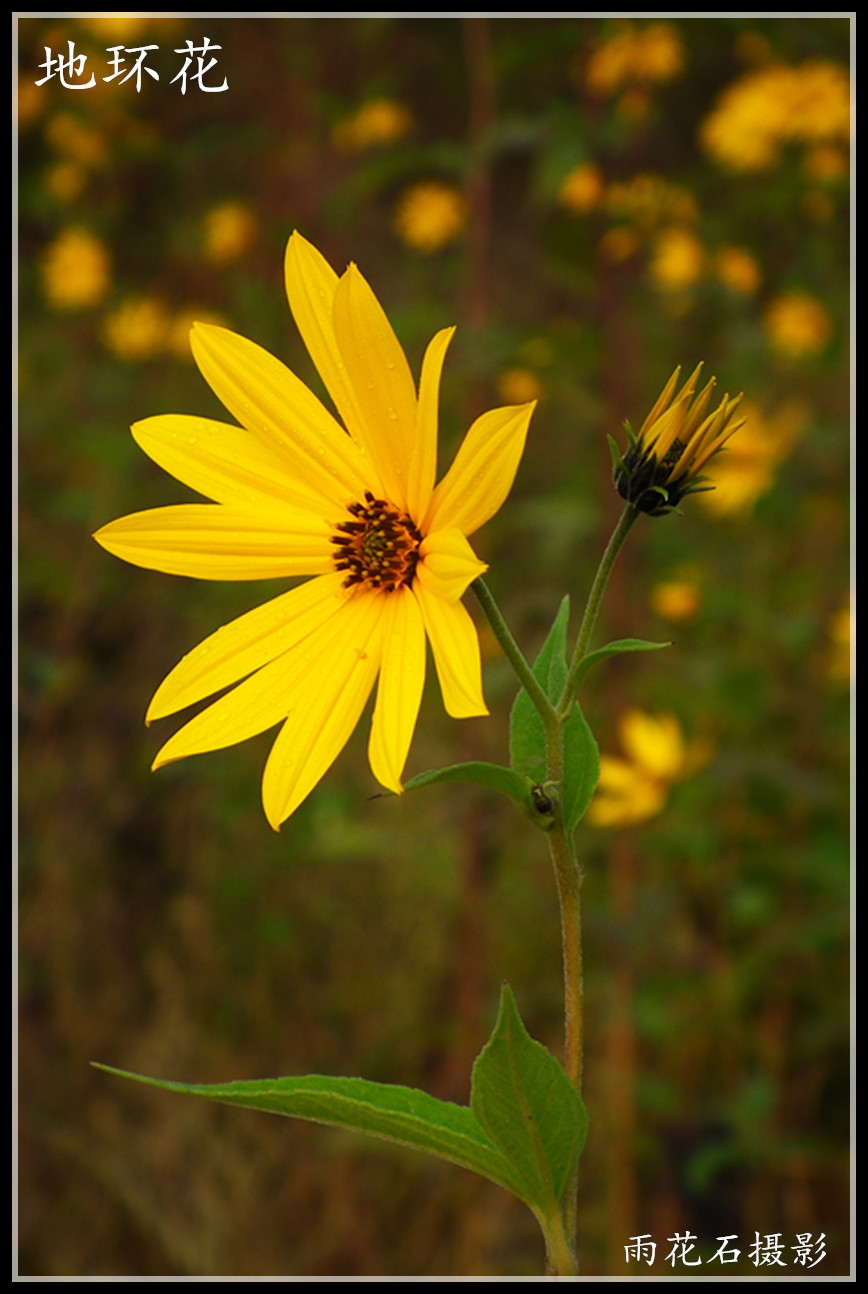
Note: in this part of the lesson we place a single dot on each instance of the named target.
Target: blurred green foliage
(163, 927)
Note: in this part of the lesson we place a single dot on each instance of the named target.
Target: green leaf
(581, 768)
(581, 755)
(494, 775)
(400, 1114)
(525, 1102)
(614, 649)
(527, 738)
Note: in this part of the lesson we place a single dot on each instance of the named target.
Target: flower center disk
(379, 547)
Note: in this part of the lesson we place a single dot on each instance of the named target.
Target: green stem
(560, 1248)
(513, 652)
(567, 873)
(568, 877)
(592, 609)
(569, 883)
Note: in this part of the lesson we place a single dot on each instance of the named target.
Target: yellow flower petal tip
(662, 464)
(350, 501)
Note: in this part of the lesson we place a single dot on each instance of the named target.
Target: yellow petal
(483, 471)
(617, 777)
(660, 432)
(248, 643)
(455, 645)
(423, 460)
(662, 403)
(713, 435)
(213, 542)
(265, 698)
(225, 463)
(378, 371)
(399, 691)
(654, 743)
(448, 566)
(255, 705)
(625, 795)
(268, 399)
(326, 705)
(311, 284)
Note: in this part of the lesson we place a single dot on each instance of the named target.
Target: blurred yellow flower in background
(228, 230)
(121, 26)
(430, 215)
(826, 164)
(65, 181)
(758, 115)
(737, 270)
(76, 139)
(379, 121)
(618, 244)
(659, 53)
(519, 386)
(582, 189)
(635, 54)
(138, 329)
(798, 325)
(29, 103)
(746, 470)
(676, 599)
(648, 200)
(634, 789)
(677, 261)
(75, 270)
(839, 656)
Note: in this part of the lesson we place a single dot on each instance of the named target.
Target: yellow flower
(582, 189)
(379, 121)
(676, 440)
(798, 325)
(65, 181)
(839, 655)
(76, 140)
(634, 789)
(647, 199)
(228, 232)
(738, 270)
(120, 26)
(29, 103)
(678, 259)
(519, 385)
(645, 54)
(75, 270)
(675, 599)
(294, 494)
(610, 64)
(747, 469)
(137, 329)
(776, 105)
(658, 55)
(430, 215)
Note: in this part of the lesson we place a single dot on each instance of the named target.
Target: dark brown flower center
(379, 547)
